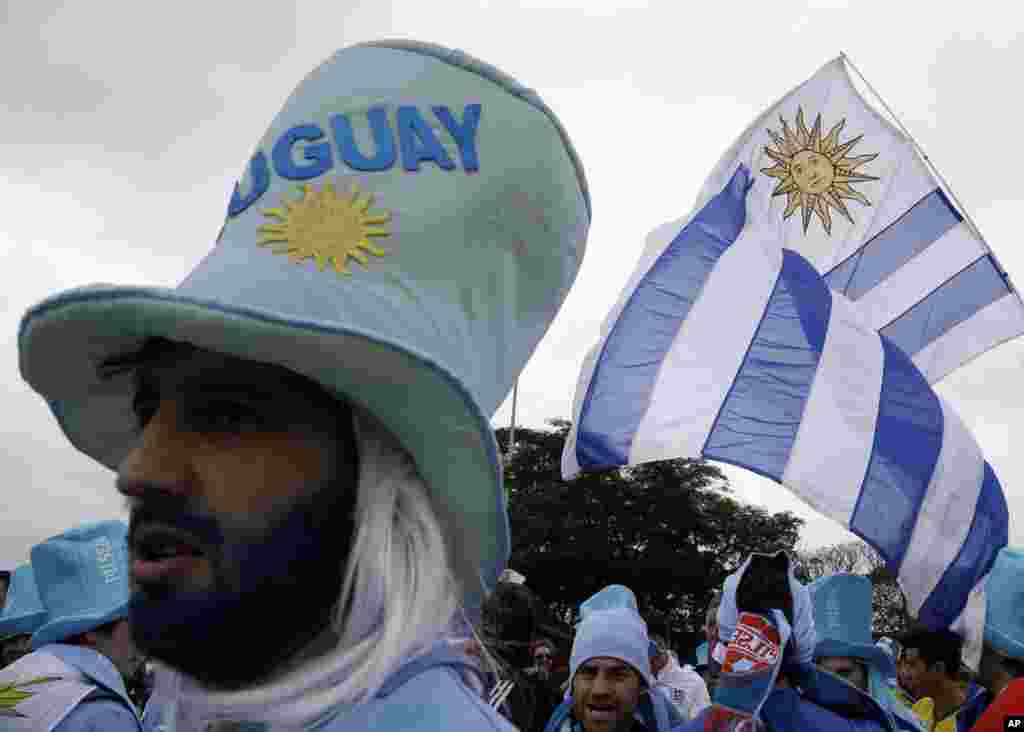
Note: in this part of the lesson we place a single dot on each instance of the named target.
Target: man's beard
(280, 593)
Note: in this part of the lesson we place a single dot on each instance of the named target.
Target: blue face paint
(464, 134)
(418, 142)
(319, 155)
(383, 139)
(260, 174)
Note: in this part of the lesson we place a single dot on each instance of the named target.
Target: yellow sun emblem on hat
(326, 226)
(814, 172)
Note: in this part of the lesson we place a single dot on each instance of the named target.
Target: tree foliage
(856, 557)
(667, 530)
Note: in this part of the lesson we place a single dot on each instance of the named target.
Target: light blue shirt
(427, 694)
(108, 708)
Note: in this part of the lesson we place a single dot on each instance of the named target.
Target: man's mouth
(161, 552)
(601, 712)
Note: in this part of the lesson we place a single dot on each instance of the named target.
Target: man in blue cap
(842, 619)
(21, 616)
(612, 688)
(73, 681)
(302, 427)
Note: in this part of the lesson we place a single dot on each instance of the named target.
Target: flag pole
(512, 426)
(927, 160)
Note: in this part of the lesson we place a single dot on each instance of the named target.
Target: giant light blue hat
(24, 611)
(82, 577)
(403, 234)
(610, 626)
(842, 618)
(1004, 613)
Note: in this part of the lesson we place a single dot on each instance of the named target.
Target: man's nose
(601, 686)
(160, 456)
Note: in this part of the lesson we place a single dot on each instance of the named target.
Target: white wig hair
(399, 596)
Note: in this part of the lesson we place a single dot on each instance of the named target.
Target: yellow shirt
(924, 710)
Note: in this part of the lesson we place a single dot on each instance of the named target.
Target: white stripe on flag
(990, 326)
(833, 445)
(655, 243)
(917, 279)
(970, 624)
(708, 350)
(570, 463)
(943, 519)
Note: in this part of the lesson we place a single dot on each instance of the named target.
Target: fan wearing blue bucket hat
(846, 650)
(73, 680)
(21, 616)
(1001, 670)
(301, 427)
(612, 687)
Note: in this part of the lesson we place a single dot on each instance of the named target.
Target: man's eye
(223, 416)
(144, 410)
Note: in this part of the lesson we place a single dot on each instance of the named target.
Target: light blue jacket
(427, 694)
(787, 710)
(109, 708)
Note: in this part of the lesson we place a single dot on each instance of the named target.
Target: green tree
(668, 530)
(889, 615)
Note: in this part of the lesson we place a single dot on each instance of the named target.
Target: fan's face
(239, 492)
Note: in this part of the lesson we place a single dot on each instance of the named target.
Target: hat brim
(870, 654)
(21, 624)
(64, 340)
(60, 629)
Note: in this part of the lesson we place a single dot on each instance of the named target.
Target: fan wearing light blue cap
(82, 650)
(302, 426)
(1001, 670)
(21, 616)
(610, 675)
(846, 649)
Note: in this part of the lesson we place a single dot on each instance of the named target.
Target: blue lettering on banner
(260, 174)
(418, 142)
(303, 151)
(464, 134)
(345, 139)
(319, 155)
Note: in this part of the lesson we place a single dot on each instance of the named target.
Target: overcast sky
(122, 135)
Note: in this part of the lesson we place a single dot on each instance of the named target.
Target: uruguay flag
(838, 184)
(728, 346)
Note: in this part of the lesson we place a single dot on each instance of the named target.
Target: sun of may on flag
(840, 185)
(778, 328)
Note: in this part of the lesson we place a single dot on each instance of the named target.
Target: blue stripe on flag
(887, 251)
(988, 534)
(908, 438)
(758, 422)
(956, 300)
(625, 372)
